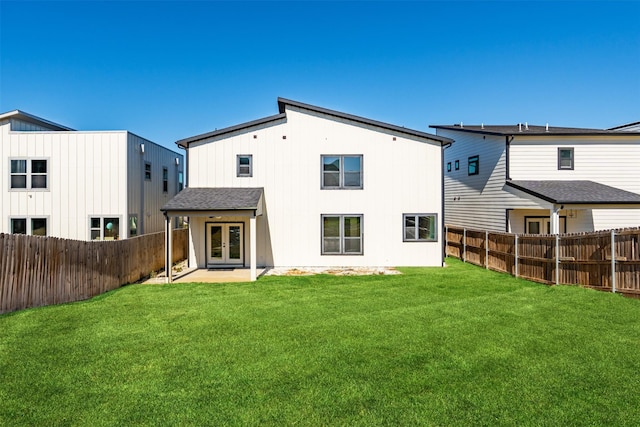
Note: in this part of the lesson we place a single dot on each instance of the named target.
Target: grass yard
(453, 346)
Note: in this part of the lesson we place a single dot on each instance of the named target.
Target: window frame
(341, 237)
(448, 166)
(417, 217)
(457, 165)
(473, 160)
(341, 172)
(28, 224)
(101, 228)
(240, 174)
(29, 174)
(165, 179)
(147, 171)
(572, 158)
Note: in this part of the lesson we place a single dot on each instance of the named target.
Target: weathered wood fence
(37, 271)
(605, 260)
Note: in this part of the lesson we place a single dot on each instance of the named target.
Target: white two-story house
(312, 187)
(541, 179)
(83, 185)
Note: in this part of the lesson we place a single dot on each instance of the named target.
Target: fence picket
(36, 271)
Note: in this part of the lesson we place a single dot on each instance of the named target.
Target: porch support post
(555, 219)
(167, 249)
(252, 248)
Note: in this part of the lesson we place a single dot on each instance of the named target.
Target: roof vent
(526, 126)
(481, 125)
(461, 125)
(547, 128)
(519, 127)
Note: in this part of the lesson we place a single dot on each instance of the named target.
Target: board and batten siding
(612, 161)
(86, 176)
(146, 197)
(399, 176)
(478, 201)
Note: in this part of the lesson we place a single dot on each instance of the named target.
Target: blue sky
(169, 70)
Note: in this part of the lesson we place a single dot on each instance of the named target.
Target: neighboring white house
(312, 187)
(540, 179)
(83, 185)
(629, 127)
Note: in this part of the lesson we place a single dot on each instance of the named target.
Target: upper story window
(342, 172)
(420, 227)
(180, 182)
(244, 165)
(28, 173)
(449, 167)
(457, 164)
(147, 171)
(165, 180)
(565, 158)
(474, 165)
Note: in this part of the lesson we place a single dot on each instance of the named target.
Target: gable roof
(627, 127)
(30, 118)
(282, 108)
(522, 129)
(575, 192)
(214, 199)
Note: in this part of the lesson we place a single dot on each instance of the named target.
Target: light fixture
(142, 148)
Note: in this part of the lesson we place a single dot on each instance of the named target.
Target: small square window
(449, 167)
(39, 226)
(565, 158)
(474, 165)
(457, 165)
(244, 163)
(19, 226)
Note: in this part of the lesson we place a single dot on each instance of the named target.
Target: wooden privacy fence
(37, 271)
(605, 260)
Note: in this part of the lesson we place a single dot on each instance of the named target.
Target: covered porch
(222, 229)
(565, 202)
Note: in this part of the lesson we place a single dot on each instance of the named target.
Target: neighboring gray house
(629, 127)
(540, 179)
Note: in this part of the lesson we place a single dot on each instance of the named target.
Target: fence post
(613, 261)
(557, 259)
(464, 245)
(516, 260)
(486, 249)
(446, 240)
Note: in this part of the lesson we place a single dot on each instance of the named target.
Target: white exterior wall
(481, 201)
(608, 162)
(402, 176)
(86, 176)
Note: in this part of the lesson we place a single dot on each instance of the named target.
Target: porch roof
(215, 199)
(576, 192)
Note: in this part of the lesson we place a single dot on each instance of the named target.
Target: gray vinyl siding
(480, 201)
(22, 126)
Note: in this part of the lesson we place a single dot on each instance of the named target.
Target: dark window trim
(238, 173)
(543, 217)
(147, 176)
(457, 165)
(416, 216)
(473, 159)
(341, 185)
(573, 159)
(448, 166)
(342, 252)
(165, 179)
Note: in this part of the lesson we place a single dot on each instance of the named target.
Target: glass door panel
(215, 242)
(235, 243)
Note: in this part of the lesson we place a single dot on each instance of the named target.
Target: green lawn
(453, 346)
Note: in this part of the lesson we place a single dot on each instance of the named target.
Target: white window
(28, 174)
(342, 235)
(341, 172)
(420, 227)
(104, 228)
(244, 165)
(565, 158)
(32, 226)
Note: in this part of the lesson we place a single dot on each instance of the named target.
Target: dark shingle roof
(282, 103)
(576, 192)
(522, 129)
(214, 199)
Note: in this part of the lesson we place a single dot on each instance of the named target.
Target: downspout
(443, 229)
